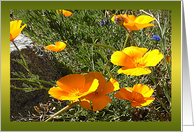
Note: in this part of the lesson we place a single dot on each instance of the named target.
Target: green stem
(26, 66)
(92, 58)
(109, 72)
(26, 80)
(41, 81)
(63, 110)
(130, 35)
(126, 41)
(33, 88)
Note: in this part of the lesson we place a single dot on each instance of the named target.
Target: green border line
(174, 125)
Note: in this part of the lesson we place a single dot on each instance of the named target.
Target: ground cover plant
(119, 62)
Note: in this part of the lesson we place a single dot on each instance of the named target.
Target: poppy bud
(118, 20)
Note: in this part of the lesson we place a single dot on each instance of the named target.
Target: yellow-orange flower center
(136, 96)
(139, 63)
(96, 93)
(76, 92)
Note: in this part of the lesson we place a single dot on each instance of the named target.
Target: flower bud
(118, 20)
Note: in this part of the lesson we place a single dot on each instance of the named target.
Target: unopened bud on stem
(118, 20)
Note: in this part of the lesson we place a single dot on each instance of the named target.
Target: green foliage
(32, 82)
(87, 51)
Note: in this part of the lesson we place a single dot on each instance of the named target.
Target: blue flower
(105, 22)
(156, 37)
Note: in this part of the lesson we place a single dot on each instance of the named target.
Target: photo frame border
(174, 125)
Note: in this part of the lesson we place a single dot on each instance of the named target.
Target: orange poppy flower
(73, 86)
(139, 95)
(135, 60)
(99, 97)
(168, 59)
(133, 23)
(65, 13)
(15, 29)
(58, 47)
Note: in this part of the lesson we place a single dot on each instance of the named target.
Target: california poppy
(58, 47)
(65, 13)
(139, 95)
(135, 60)
(99, 97)
(73, 86)
(168, 60)
(15, 29)
(133, 23)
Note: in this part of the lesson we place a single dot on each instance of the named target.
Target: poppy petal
(111, 85)
(100, 102)
(130, 27)
(121, 59)
(15, 29)
(152, 58)
(71, 81)
(59, 93)
(143, 89)
(138, 104)
(145, 102)
(124, 93)
(143, 19)
(73, 93)
(23, 27)
(51, 47)
(57, 12)
(17, 26)
(14, 34)
(86, 104)
(58, 47)
(140, 26)
(129, 19)
(112, 19)
(135, 52)
(134, 71)
(98, 76)
(67, 13)
(92, 88)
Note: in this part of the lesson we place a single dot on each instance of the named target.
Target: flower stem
(130, 35)
(26, 66)
(126, 41)
(63, 110)
(109, 72)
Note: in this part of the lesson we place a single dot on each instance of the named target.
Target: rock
(39, 64)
